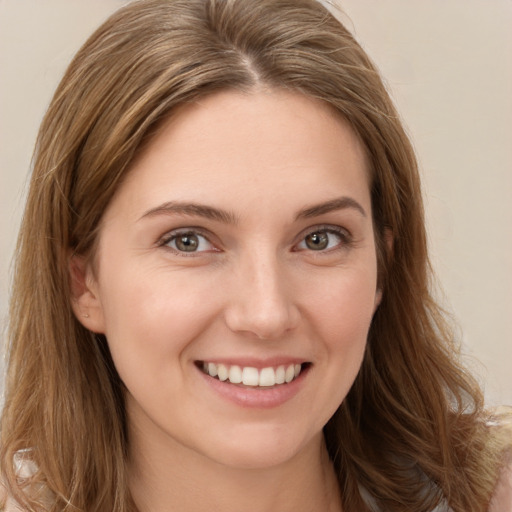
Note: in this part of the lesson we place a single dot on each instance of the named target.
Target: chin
(262, 448)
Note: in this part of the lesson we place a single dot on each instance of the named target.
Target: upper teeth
(250, 376)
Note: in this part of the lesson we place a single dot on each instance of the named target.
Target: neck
(174, 477)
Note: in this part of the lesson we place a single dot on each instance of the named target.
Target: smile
(254, 377)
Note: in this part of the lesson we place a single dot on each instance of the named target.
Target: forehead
(267, 144)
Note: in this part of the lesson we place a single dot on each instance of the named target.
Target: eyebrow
(192, 209)
(226, 217)
(340, 203)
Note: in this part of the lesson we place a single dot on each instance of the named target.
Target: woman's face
(239, 248)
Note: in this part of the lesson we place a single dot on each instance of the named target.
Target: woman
(221, 294)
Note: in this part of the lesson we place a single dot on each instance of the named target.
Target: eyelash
(174, 235)
(344, 236)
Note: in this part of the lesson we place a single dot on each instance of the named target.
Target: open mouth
(249, 376)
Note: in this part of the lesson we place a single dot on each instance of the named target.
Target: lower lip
(256, 397)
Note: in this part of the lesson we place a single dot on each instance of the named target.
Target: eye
(188, 241)
(324, 239)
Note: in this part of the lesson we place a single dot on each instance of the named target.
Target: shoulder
(7, 504)
(501, 423)
(502, 498)
(24, 468)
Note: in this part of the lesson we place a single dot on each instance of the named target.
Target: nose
(261, 302)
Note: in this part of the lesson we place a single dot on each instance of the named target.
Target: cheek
(151, 316)
(341, 317)
(339, 310)
(343, 302)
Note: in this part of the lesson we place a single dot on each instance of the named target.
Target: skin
(254, 289)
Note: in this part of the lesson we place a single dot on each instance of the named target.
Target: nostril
(264, 307)
(269, 325)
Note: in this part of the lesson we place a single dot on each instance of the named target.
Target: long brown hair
(410, 432)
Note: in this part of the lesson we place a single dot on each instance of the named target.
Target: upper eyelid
(165, 240)
(211, 238)
(345, 236)
(169, 235)
(325, 227)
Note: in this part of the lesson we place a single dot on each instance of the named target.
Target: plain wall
(447, 64)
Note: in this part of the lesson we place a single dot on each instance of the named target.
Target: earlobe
(378, 299)
(85, 299)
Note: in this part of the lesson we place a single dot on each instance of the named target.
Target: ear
(389, 241)
(85, 299)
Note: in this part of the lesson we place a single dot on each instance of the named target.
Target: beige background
(447, 63)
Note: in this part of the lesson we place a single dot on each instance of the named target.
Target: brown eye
(325, 239)
(317, 241)
(188, 241)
